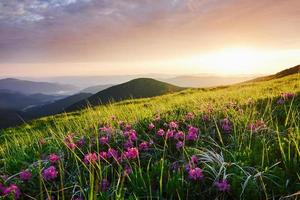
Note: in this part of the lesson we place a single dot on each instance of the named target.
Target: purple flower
(223, 185)
(194, 159)
(103, 140)
(104, 185)
(192, 134)
(173, 125)
(195, 173)
(132, 153)
(151, 126)
(90, 158)
(226, 126)
(144, 146)
(50, 173)
(80, 142)
(280, 101)
(53, 158)
(14, 190)
(127, 170)
(175, 166)
(179, 145)
(128, 144)
(179, 135)
(25, 175)
(160, 132)
(112, 153)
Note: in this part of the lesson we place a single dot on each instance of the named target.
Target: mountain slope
(31, 87)
(96, 88)
(137, 88)
(283, 73)
(19, 101)
(55, 107)
(206, 81)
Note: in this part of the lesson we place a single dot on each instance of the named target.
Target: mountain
(55, 107)
(19, 101)
(31, 87)
(95, 89)
(10, 117)
(283, 73)
(206, 81)
(137, 88)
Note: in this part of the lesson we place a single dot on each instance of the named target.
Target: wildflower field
(233, 142)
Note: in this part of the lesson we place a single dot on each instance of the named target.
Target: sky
(109, 37)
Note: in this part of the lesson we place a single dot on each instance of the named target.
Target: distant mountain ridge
(137, 88)
(31, 87)
(18, 101)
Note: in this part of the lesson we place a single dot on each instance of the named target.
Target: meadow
(232, 142)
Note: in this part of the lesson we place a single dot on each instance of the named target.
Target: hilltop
(137, 88)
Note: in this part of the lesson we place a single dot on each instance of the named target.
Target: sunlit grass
(259, 164)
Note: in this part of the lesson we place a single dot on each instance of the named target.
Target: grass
(258, 163)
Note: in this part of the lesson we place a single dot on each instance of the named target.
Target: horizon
(88, 37)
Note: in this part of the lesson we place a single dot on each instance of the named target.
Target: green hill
(231, 142)
(137, 88)
(281, 74)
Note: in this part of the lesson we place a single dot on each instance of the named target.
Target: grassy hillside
(137, 88)
(237, 142)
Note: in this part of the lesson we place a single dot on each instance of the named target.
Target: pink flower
(12, 189)
(103, 140)
(190, 116)
(132, 135)
(50, 173)
(192, 134)
(151, 126)
(179, 135)
(195, 174)
(90, 158)
(25, 175)
(103, 155)
(144, 146)
(173, 125)
(106, 129)
(160, 132)
(132, 153)
(53, 158)
(223, 185)
(179, 145)
(71, 145)
(205, 118)
(157, 118)
(170, 134)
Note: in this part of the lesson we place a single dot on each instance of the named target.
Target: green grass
(258, 165)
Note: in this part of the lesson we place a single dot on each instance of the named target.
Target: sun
(232, 60)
